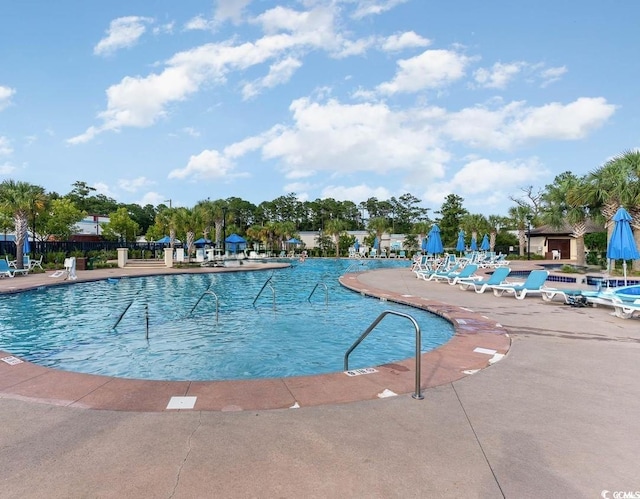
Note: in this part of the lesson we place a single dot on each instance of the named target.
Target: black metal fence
(76, 247)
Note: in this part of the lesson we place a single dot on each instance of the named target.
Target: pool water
(283, 330)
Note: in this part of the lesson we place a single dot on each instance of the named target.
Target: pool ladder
(207, 292)
(146, 317)
(264, 286)
(417, 393)
(326, 292)
(356, 267)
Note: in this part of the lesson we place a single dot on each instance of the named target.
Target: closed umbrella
(356, 245)
(460, 246)
(484, 245)
(26, 247)
(474, 244)
(423, 246)
(622, 246)
(434, 243)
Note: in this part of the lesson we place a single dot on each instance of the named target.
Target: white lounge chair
(479, 286)
(69, 269)
(533, 284)
(7, 271)
(36, 263)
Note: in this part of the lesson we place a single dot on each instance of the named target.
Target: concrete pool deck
(555, 418)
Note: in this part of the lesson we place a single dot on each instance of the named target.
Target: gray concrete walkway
(557, 417)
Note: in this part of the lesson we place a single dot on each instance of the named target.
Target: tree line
(569, 199)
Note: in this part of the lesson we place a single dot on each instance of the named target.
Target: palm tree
(473, 223)
(614, 184)
(335, 228)
(561, 205)
(378, 225)
(21, 199)
(521, 216)
(188, 222)
(495, 222)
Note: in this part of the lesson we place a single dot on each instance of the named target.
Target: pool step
(145, 264)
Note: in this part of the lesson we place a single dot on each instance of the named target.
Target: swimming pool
(282, 331)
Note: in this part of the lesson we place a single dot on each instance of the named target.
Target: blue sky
(350, 99)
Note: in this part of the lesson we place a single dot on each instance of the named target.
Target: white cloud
(514, 124)
(551, 75)
(356, 193)
(123, 32)
(373, 7)
(134, 185)
(7, 169)
(231, 10)
(103, 188)
(431, 69)
(140, 101)
(499, 75)
(199, 23)
(489, 182)
(5, 146)
(408, 39)
(279, 73)
(209, 164)
(347, 138)
(152, 198)
(5, 96)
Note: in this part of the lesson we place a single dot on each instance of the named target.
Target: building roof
(565, 229)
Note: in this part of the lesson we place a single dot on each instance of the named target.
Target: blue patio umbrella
(26, 247)
(425, 242)
(293, 240)
(460, 246)
(474, 244)
(376, 243)
(356, 245)
(202, 241)
(484, 245)
(164, 240)
(622, 246)
(434, 243)
(235, 243)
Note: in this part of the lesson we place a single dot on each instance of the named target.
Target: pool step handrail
(354, 267)
(273, 292)
(207, 292)
(146, 317)
(122, 314)
(417, 393)
(326, 292)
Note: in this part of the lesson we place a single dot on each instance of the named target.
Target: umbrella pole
(624, 271)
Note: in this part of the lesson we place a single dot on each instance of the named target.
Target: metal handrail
(326, 293)
(354, 266)
(273, 293)
(122, 314)
(207, 292)
(417, 394)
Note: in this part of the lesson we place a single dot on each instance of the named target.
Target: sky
(347, 99)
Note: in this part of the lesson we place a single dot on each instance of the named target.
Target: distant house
(90, 225)
(545, 240)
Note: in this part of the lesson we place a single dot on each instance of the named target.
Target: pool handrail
(207, 292)
(273, 292)
(326, 292)
(417, 393)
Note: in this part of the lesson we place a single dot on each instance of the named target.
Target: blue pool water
(286, 332)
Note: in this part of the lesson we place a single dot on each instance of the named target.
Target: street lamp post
(528, 238)
(224, 231)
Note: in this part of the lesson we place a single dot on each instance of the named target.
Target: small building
(559, 243)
